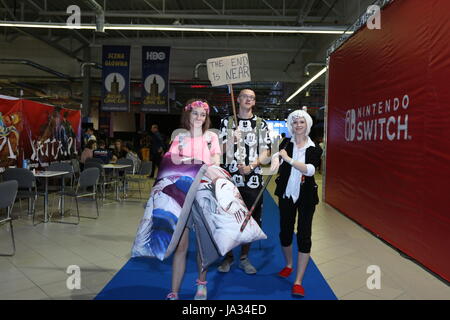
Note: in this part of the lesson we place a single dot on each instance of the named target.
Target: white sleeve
(311, 170)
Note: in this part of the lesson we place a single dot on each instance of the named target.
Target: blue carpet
(150, 279)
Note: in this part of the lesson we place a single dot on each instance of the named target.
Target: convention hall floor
(342, 250)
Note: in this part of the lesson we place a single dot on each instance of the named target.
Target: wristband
(291, 162)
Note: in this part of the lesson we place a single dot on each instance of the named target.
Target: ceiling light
(307, 84)
(189, 28)
(45, 25)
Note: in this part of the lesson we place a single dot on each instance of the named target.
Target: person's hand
(275, 163)
(284, 155)
(244, 170)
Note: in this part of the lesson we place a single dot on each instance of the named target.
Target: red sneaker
(286, 272)
(298, 290)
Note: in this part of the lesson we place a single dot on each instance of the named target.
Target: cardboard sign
(228, 70)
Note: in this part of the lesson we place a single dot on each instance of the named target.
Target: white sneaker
(225, 265)
(246, 265)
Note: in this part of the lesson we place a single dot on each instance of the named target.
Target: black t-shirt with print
(250, 149)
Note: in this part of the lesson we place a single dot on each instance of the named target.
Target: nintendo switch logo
(350, 125)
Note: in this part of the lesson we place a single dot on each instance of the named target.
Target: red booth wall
(388, 134)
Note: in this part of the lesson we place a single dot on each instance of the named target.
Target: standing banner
(388, 129)
(116, 78)
(37, 132)
(155, 78)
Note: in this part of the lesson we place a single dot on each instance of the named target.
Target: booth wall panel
(396, 188)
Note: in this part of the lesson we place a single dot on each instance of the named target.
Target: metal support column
(86, 84)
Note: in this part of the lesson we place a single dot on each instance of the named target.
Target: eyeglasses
(251, 98)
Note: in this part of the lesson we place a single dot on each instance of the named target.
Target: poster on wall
(37, 132)
(155, 78)
(115, 78)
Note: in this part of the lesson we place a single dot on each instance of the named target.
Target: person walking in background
(297, 194)
(322, 158)
(157, 148)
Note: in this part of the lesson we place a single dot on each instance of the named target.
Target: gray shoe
(225, 265)
(245, 265)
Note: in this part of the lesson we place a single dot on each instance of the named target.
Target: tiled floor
(341, 249)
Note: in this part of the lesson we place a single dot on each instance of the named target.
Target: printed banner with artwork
(155, 77)
(116, 78)
(37, 132)
(203, 198)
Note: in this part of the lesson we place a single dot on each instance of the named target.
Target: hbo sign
(350, 125)
(156, 55)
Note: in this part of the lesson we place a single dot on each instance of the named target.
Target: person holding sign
(297, 193)
(197, 143)
(247, 145)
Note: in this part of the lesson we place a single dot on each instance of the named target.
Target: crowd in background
(140, 147)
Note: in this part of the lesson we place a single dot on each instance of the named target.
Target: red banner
(37, 132)
(388, 147)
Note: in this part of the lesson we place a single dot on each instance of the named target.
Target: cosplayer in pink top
(203, 147)
(196, 141)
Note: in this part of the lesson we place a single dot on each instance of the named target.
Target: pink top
(201, 148)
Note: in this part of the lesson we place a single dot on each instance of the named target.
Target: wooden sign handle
(230, 87)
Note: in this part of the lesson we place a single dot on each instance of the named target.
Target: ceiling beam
(39, 37)
(211, 7)
(272, 8)
(153, 7)
(332, 7)
(174, 16)
(33, 4)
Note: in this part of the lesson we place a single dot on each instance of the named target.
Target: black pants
(156, 160)
(288, 213)
(249, 197)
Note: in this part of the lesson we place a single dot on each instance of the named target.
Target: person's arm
(308, 169)
(215, 149)
(262, 159)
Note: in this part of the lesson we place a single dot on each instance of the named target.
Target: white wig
(299, 114)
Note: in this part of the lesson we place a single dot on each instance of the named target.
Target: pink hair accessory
(197, 104)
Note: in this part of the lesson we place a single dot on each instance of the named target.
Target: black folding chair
(8, 192)
(88, 179)
(27, 186)
(104, 179)
(123, 174)
(61, 185)
(76, 169)
(142, 175)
